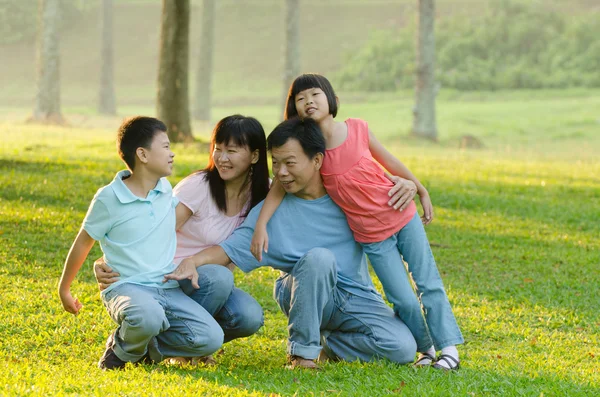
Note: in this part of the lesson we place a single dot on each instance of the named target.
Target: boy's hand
(104, 274)
(69, 303)
(402, 193)
(185, 270)
(260, 241)
(427, 208)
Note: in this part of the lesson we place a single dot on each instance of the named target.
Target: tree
(172, 104)
(106, 97)
(292, 45)
(47, 100)
(424, 124)
(205, 65)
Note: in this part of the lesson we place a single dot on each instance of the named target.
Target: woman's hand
(185, 270)
(260, 241)
(402, 193)
(104, 274)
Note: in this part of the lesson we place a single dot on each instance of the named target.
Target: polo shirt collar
(125, 195)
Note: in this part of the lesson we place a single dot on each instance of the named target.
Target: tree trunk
(424, 124)
(172, 105)
(292, 45)
(47, 100)
(205, 65)
(106, 102)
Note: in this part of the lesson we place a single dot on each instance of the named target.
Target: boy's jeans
(349, 326)
(411, 244)
(238, 313)
(181, 326)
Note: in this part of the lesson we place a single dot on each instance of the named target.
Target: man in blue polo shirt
(133, 218)
(324, 289)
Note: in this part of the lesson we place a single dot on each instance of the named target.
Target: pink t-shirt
(357, 183)
(207, 226)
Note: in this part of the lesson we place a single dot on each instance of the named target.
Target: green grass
(515, 238)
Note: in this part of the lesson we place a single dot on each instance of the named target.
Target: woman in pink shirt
(212, 203)
(360, 187)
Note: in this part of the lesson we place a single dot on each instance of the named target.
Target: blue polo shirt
(298, 226)
(137, 235)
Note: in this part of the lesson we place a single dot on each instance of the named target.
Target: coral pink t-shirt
(357, 183)
(207, 226)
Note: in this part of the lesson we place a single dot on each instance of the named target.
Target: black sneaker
(109, 360)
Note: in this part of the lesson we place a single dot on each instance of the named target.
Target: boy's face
(312, 103)
(159, 158)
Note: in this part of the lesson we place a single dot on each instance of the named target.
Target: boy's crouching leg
(140, 317)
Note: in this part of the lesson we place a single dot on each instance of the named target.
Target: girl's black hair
(243, 131)
(304, 82)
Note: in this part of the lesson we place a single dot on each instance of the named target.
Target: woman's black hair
(243, 131)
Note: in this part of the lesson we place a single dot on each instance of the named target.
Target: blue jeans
(411, 244)
(347, 326)
(238, 313)
(166, 319)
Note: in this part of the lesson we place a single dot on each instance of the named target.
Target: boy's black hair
(304, 82)
(243, 131)
(134, 133)
(306, 132)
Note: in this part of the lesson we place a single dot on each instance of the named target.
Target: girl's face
(232, 161)
(312, 103)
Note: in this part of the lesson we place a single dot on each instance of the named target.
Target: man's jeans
(238, 313)
(179, 325)
(348, 326)
(411, 244)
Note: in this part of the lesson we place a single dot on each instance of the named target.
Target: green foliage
(515, 238)
(513, 46)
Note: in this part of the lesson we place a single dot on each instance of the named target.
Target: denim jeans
(386, 257)
(238, 313)
(163, 318)
(348, 326)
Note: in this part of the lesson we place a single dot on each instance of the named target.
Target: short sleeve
(192, 192)
(97, 222)
(237, 246)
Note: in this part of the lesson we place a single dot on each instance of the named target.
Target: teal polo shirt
(137, 235)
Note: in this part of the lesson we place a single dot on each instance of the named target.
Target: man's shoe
(109, 360)
(326, 358)
(301, 362)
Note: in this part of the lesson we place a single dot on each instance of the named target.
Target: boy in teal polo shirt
(133, 218)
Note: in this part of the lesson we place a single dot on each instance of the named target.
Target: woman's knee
(250, 319)
(215, 275)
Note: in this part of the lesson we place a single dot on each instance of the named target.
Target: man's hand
(185, 270)
(69, 303)
(427, 208)
(402, 193)
(260, 241)
(104, 274)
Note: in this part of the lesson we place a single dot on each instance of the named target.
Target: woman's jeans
(238, 313)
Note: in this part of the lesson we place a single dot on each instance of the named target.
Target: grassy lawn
(515, 238)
